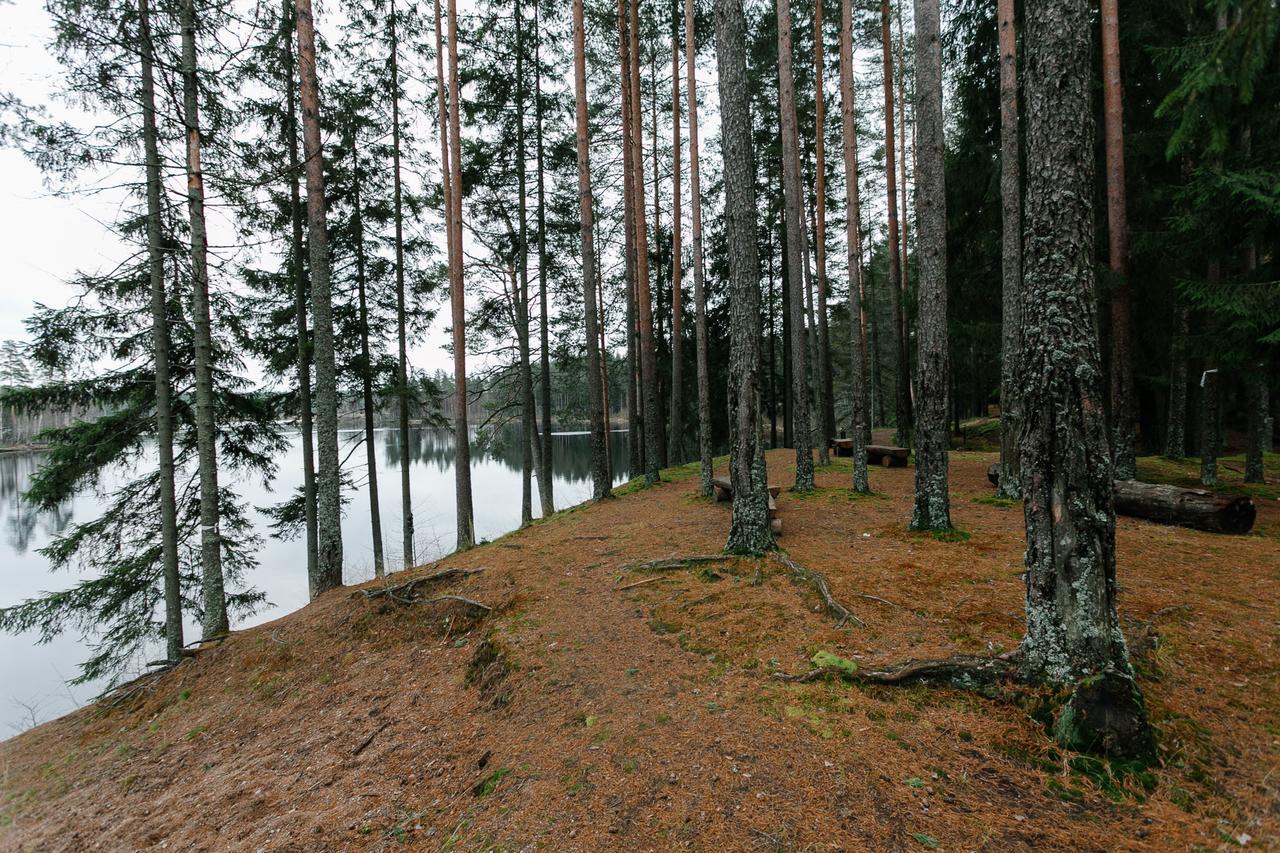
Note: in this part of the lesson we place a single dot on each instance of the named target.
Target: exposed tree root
(835, 608)
(406, 592)
(967, 672)
(478, 606)
(653, 579)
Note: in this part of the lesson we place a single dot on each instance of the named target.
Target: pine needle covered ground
(576, 714)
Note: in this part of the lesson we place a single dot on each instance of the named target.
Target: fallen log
(1198, 509)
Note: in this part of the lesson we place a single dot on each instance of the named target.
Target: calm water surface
(33, 676)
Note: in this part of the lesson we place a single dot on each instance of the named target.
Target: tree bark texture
(675, 426)
(1175, 441)
(328, 573)
(699, 281)
(749, 531)
(644, 299)
(853, 237)
(826, 396)
(932, 496)
(213, 621)
(902, 382)
(1010, 250)
(599, 458)
(792, 191)
(160, 344)
(545, 487)
(366, 372)
(402, 348)
(1122, 394)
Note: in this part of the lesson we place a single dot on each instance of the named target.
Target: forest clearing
(580, 715)
(412, 470)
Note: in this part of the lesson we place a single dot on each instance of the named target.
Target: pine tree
(902, 384)
(932, 498)
(794, 204)
(749, 528)
(699, 282)
(1010, 252)
(853, 234)
(328, 574)
(1074, 639)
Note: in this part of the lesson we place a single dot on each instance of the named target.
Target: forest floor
(581, 714)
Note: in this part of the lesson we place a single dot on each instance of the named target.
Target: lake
(33, 677)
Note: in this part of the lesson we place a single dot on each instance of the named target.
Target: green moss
(489, 784)
(827, 660)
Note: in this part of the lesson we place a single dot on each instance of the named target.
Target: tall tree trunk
(749, 528)
(792, 191)
(1175, 441)
(328, 573)
(301, 294)
(601, 486)
(1010, 251)
(1122, 395)
(933, 501)
(902, 382)
(545, 495)
(1073, 636)
(773, 347)
(826, 395)
(451, 150)
(402, 375)
(853, 236)
(699, 281)
(160, 343)
(904, 252)
(213, 622)
(635, 420)
(675, 429)
(527, 413)
(1259, 405)
(648, 351)
(366, 371)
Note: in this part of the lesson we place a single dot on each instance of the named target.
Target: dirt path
(648, 718)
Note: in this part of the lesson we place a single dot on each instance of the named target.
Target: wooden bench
(724, 492)
(889, 457)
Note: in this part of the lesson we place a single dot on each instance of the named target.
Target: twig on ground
(1174, 608)
(824, 589)
(365, 743)
(653, 579)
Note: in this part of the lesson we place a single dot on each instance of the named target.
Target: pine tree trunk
(160, 343)
(660, 397)
(366, 372)
(903, 252)
(213, 596)
(1011, 251)
(699, 281)
(749, 528)
(451, 145)
(545, 494)
(902, 382)
(826, 392)
(853, 236)
(792, 190)
(328, 574)
(932, 498)
(1073, 636)
(1122, 394)
(301, 295)
(601, 486)
(527, 413)
(402, 375)
(1259, 405)
(675, 432)
(635, 421)
(644, 299)
(1175, 441)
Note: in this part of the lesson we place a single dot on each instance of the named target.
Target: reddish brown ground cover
(581, 716)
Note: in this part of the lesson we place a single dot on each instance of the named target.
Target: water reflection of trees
(570, 452)
(20, 518)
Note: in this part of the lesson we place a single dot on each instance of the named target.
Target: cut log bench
(877, 454)
(724, 492)
(1198, 509)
